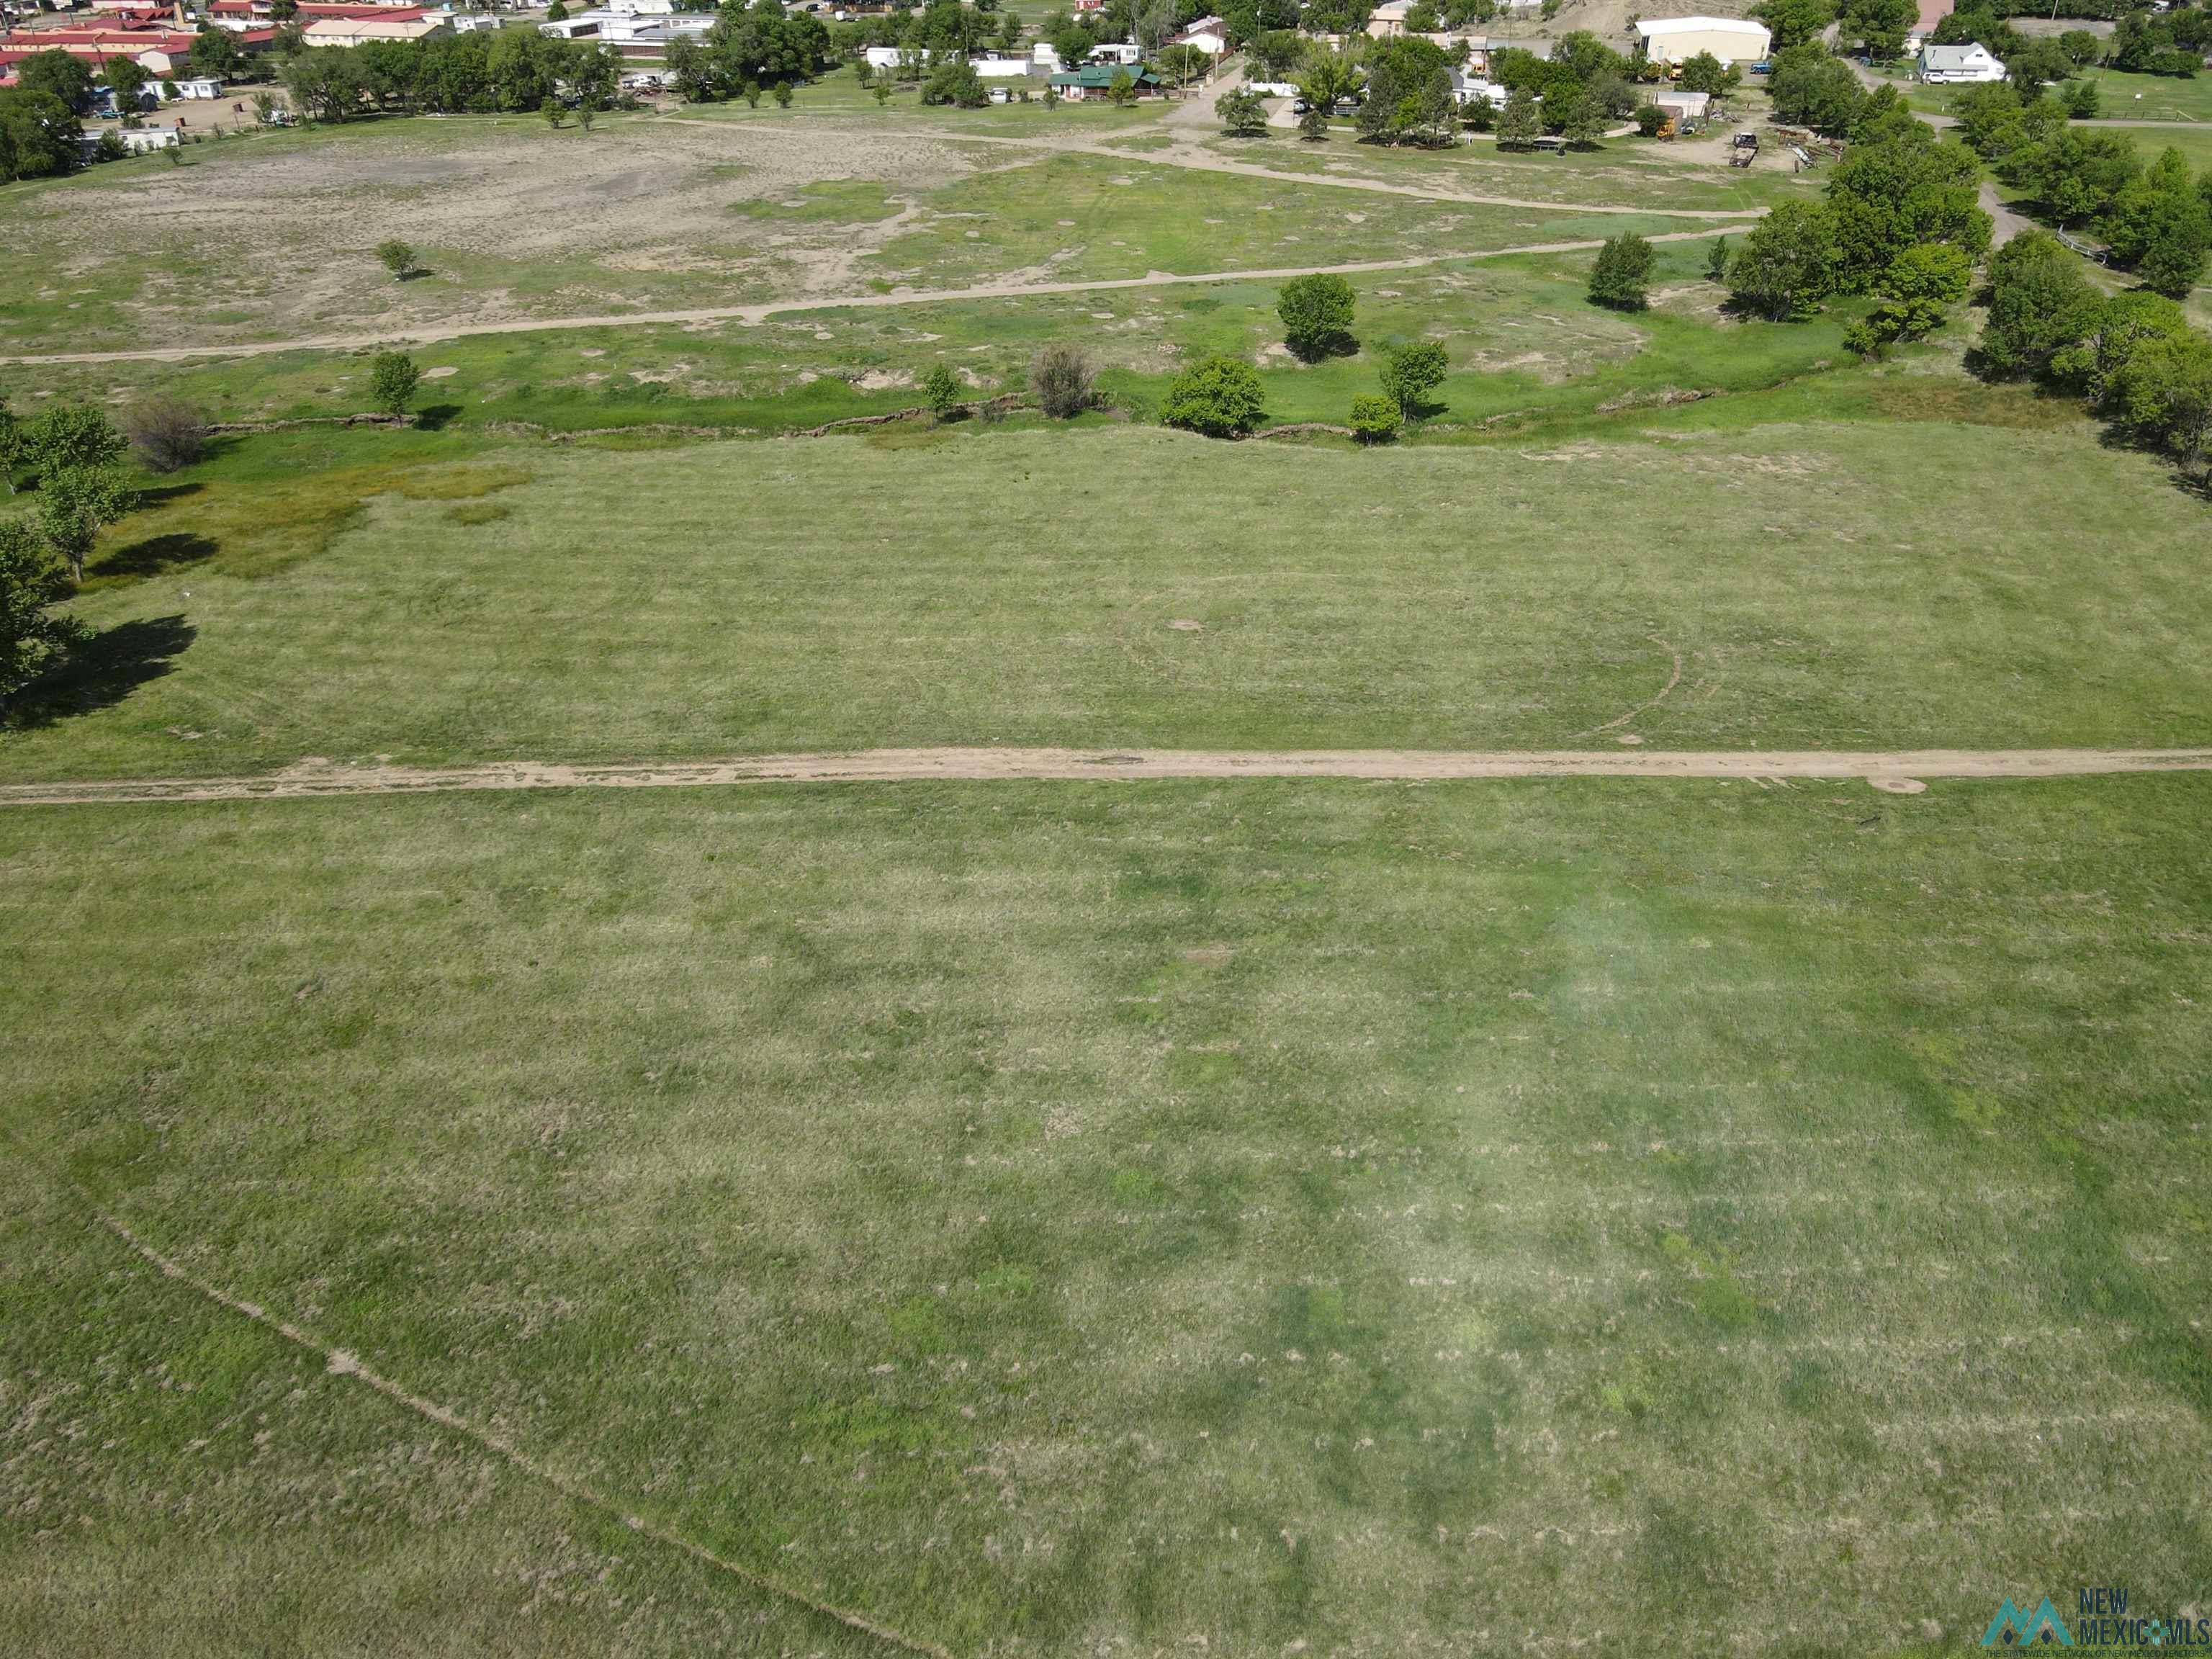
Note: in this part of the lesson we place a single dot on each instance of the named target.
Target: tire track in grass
(339, 1361)
(434, 334)
(1896, 770)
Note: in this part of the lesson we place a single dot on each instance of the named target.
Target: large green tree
(1905, 191)
(1810, 88)
(1621, 277)
(1412, 371)
(32, 636)
(1787, 264)
(1317, 312)
(2040, 305)
(75, 504)
(1218, 396)
(39, 135)
(2163, 394)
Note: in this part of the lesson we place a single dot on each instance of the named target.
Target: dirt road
(431, 334)
(1900, 771)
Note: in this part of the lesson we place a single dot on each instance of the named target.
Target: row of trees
(748, 48)
(2156, 219)
(2132, 356)
(510, 70)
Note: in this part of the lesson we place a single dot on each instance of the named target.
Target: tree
(1313, 126)
(1879, 25)
(39, 135)
(2036, 65)
(2081, 47)
(1317, 312)
(1330, 77)
(1810, 88)
(399, 258)
(1649, 120)
(1704, 72)
(1787, 264)
(2078, 175)
(392, 380)
(74, 504)
(2081, 100)
(1921, 283)
(2040, 304)
(2122, 324)
(1375, 420)
(1716, 263)
(1277, 53)
(1061, 377)
(2160, 227)
(1621, 277)
(1410, 372)
(73, 436)
(166, 432)
(213, 52)
(1794, 23)
(15, 447)
(127, 79)
(1579, 121)
(557, 13)
(1885, 197)
(1218, 395)
(1519, 125)
(941, 386)
(956, 83)
(1243, 113)
(59, 75)
(32, 638)
(2163, 394)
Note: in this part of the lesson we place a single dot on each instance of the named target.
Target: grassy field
(1524, 337)
(1057, 1219)
(1103, 1219)
(334, 594)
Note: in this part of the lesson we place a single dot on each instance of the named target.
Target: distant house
(1953, 66)
(1209, 34)
(995, 68)
(1469, 89)
(1096, 80)
(1677, 40)
(359, 31)
(1117, 52)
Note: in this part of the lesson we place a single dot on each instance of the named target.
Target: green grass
(1084, 217)
(311, 593)
(1527, 344)
(1110, 1215)
(2151, 97)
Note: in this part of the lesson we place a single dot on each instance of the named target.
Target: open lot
(1055, 1218)
(1101, 1218)
(334, 595)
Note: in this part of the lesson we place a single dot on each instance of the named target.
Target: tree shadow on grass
(434, 418)
(152, 555)
(102, 672)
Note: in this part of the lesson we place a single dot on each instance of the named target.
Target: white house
(1002, 69)
(1474, 89)
(1677, 40)
(199, 88)
(1959, 65)
(1127, 53)
(1209, 34)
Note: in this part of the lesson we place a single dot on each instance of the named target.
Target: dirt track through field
(339, 1361)
(1900, 770)
(759, 312)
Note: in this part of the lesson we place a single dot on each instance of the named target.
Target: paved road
(1900, 771)
(432, 334)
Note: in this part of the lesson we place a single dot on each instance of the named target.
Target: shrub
(943, 389)
(398, 258)
(1621, 277)
(1316, 314)
(167, 433)
(1061, 377)
(1243, 113)
(1650, 117)
(1218, 395)
(1412, 371)
(391, 380)
(1374, 419)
